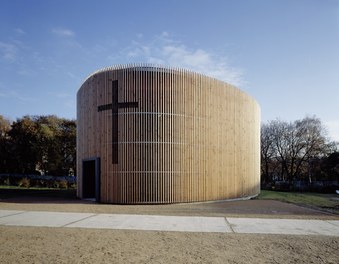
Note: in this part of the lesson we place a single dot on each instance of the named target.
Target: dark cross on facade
(115, 105)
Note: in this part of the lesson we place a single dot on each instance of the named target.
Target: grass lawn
(15, 191)
(327, 202)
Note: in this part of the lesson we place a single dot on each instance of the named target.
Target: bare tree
(313, 143)
(283, 138)
(267, 152)
(293, 145)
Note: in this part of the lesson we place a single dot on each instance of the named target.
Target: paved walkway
(170, 223)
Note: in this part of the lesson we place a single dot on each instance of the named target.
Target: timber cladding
(166, 135)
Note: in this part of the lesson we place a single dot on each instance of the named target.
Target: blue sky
(284, 53)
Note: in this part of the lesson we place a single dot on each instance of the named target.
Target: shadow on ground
(66, 201)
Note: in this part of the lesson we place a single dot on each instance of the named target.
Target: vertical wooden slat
(191, 138)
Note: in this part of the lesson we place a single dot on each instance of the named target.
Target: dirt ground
(68, 245)
(73, 245)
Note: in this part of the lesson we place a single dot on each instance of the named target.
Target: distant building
(150, 134)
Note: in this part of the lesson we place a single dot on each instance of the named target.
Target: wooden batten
(177, 136)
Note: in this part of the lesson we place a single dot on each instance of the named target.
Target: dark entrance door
(91, 179)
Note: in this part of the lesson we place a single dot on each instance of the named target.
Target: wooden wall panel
(190, 137)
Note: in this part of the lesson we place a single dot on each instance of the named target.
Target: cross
(115, 105)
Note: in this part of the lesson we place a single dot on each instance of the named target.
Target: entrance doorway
(91, 179)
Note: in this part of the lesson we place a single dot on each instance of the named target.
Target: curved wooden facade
(150, 134)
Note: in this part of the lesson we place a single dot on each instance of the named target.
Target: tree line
(290, 151)
(43, 145)
(297, 151)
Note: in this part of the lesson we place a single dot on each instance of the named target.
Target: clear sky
(285, 53)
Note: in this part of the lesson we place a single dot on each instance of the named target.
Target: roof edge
(148, 65)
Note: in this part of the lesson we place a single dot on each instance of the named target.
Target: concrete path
(170, 223)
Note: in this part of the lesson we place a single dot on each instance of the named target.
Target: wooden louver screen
(167, 135)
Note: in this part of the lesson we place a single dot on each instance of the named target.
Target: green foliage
(5, 127)
(39, 145)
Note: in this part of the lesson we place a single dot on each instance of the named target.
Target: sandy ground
(63, 245)
(73, 245)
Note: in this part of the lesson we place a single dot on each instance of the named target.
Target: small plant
(7, 182)
(63, 184)
(37, 183)
(55, 184)
(24, 182)
(51, 184)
